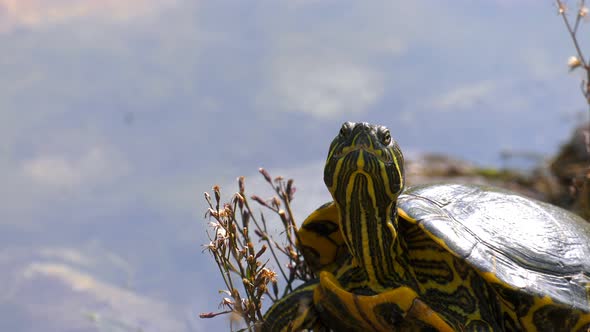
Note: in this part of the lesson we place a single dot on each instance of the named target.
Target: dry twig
(242, 262)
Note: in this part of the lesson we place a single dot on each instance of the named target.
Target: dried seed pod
(265, 174)
(217, 192)
(261, 251)
(284, 217)
(276, 202)
(241, 184)
(259, 200)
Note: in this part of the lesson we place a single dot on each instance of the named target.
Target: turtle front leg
(294, 312)
(398, 309)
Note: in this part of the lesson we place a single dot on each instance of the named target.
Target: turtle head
(364, 173)
(367, 150)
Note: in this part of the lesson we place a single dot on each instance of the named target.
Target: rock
(571, 168)
(437, 168)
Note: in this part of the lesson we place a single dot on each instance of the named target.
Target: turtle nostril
(363, 140)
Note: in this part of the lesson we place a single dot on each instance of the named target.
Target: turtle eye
(345, 129)
(385, 137)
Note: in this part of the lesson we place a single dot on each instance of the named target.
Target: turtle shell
(512, 241)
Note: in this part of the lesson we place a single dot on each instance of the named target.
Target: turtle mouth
(380, 155)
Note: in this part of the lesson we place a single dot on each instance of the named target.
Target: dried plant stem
(562, 10)
(266, 238)
(585, 84)
(583, 62)
(237, 256)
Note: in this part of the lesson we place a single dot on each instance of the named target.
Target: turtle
(446, 257)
